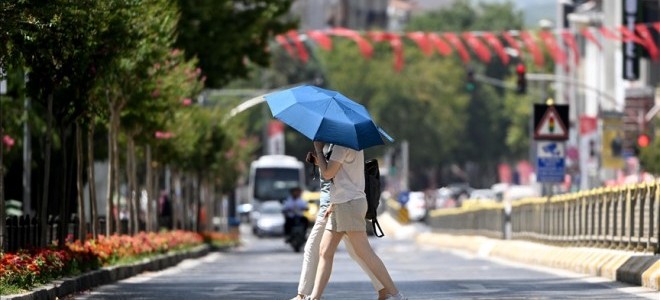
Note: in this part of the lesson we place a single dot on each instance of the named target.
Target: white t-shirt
(348, 184)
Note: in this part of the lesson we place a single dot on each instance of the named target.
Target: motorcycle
(298, 235)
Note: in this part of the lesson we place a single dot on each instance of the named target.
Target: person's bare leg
(378, 287)
(374, 263)
(329, 244)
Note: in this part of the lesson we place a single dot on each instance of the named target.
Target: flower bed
(27, 268)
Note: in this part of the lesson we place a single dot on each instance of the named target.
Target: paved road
(268, 269)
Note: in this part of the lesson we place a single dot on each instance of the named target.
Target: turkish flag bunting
(422, 41)
(365, 48)
(551, 44)
(284, 42)
(511, 41)
(629, 36)
(302, 51)
(569, 39)
(440, 45)
(496, 44)
(321, 39)
(458, 45)
(395, 42)
(477, 47)
(609, 34)
(532, 48)
(647, 38)
(586, 32)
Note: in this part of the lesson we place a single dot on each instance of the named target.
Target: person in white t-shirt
(348, 206)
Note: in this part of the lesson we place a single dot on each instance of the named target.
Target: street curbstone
(651, 277)
(632, 269)
(618, 265)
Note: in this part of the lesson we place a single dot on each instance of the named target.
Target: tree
(225, 34)
(487, 115)
(423, 104)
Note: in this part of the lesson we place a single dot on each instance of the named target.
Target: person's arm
(328, 168)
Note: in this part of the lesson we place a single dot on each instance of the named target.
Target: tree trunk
(82, 224)
(92, 180)
(115, 165)
(43, 207)
(64, 204)
(3, 221)
(129, 190)
(155, 192)
(109, 209)
(149, 186)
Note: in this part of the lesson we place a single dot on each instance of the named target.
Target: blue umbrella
(326, 116)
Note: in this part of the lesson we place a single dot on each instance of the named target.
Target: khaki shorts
(348, 216)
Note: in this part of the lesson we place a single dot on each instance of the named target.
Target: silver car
(268, 219)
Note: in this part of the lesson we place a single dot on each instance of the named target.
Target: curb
(67, 286)
(623, 266)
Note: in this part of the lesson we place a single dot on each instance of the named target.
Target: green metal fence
(622, 218)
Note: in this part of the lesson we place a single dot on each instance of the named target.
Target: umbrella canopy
(327, 116)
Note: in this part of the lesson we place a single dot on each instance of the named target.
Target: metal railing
(625, 217)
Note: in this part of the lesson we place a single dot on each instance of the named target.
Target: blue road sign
(550, 161)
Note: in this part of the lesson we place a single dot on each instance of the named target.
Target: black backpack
(372, 190)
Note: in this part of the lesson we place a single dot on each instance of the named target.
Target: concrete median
(624, 266)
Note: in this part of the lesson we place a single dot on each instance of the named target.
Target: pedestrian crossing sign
(550, 122)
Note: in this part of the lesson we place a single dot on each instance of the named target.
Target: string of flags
(560, 45)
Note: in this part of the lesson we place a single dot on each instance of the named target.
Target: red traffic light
(520, 69)
(643, 140)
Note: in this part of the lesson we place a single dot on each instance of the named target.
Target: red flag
(532, 48)
(458, 45)
(551, 44)
(395, 42)
(495, 42)
(629, 36)
(477, 47)
(609, 34)
(440, 45)
(284, 42)
(586, 32)
(647, 38)
(321, 39)
(302, 52)
(511, 41)
(365, 48)
(422, 41)
(569, 39)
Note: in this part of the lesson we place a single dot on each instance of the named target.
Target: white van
(271, 177)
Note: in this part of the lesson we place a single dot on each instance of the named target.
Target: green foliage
(225, 34)
(463, 15)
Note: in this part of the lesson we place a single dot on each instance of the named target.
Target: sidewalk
(624, 266)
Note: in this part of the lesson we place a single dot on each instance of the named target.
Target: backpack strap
(375, 223)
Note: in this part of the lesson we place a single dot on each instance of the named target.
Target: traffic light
(643, 140)
(521, 87)
(470, 82)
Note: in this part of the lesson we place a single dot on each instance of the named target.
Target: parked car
(268, 219)
(483, 194)
(416, 206)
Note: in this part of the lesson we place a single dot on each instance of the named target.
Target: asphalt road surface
(269, 269)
